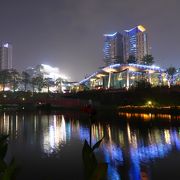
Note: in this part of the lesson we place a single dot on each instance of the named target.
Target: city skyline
(69, 35)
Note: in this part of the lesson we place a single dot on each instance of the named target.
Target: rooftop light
(52, 72)
(141, 28)
(111, 35)
(109, 69)
(6, 45)
(100, 75)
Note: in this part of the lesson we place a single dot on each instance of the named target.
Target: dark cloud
(68, 34)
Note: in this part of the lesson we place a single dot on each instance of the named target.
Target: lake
(48, 146)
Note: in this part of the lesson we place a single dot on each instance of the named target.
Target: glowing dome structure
(124, 76)
(51, 76)
(51, 72)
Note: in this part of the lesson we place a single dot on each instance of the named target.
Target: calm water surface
(135, 146)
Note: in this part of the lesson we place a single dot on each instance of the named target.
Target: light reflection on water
(127, 148)
(149, 116)
(54, 133)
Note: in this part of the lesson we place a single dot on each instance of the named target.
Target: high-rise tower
(136, 43)
(118, 47)
(113, 48)
(5, 56)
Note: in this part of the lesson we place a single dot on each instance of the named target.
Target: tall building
(113, 48)
(5, 56)
(136, 43)
(119, 46)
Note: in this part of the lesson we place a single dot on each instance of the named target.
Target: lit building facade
(113, 48)
(117, 76)
(51, 76)
(5, 56)
(136, 43)
(118, 47)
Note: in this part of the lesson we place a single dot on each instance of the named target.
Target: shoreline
(173, 110)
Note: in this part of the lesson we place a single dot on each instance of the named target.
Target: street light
(149, 103)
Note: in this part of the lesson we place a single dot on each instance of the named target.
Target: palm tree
(59, 84)
(171, 71)
(48, 82)
(25, 79)
(33, 83)
(148, 60)
(14, 78)
(38, 81)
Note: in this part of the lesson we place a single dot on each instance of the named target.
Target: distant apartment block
(118, 47)
(5, 56)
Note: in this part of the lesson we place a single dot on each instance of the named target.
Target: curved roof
(115, 68)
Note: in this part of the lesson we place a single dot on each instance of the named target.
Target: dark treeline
(159, 96)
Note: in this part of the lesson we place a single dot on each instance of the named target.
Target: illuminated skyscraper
(136, 43)
(113, 48)
(5, 56)
(119, 46)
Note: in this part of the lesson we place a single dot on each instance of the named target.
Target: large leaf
(89, 159)
(86, 147)
(10, 171)
(94, 170)
(3, 146)
(97, 144)
(3, 166)
(3, 138)
(3, 150)
(100, 171)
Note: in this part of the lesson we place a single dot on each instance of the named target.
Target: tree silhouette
(25, 79)
(37, 82)
(148, 60)
(58, 83)
(47, 83)
(171, 71)
(132, 59)
(14, 78)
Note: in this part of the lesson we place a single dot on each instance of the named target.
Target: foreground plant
(93, 169)
(6, 170)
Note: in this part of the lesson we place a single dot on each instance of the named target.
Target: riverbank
(100, 109)
(173, 110)
(147, 100)
(157, 96)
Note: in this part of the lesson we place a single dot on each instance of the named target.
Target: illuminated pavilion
(125, 76)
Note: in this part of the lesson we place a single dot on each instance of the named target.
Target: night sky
(69, 33)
